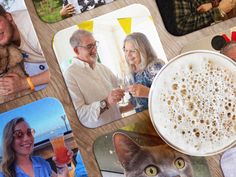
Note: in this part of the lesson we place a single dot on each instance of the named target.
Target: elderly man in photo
(14, 30)
(92, 86)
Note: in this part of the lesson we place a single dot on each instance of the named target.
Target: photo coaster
(136, 150)
(46, 123)
(228, 161)
(214, 42)
(23, 67)
(181, 17)
(51, 11)
(89, 86)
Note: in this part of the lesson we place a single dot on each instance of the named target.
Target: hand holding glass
(122, 83)
(129, 80)
(60, 149)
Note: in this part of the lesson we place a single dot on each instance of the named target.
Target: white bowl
(195, 118)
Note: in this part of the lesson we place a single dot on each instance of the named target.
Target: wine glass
(121, 83)
(129, 80)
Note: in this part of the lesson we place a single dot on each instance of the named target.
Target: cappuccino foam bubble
(193, 103)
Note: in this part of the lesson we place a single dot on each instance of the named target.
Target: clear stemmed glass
(121, 83)
(129, 80)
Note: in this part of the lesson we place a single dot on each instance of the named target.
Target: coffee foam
(192, 103)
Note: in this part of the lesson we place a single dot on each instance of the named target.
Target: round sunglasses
(19, 134)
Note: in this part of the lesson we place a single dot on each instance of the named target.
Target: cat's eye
(151, 170)
(179, 163)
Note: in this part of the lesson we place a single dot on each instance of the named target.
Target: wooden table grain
(85, 137)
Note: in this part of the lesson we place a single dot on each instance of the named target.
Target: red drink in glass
(60, 150)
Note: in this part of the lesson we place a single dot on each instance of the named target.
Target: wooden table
(56, 88)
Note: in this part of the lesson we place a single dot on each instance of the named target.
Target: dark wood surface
(56, 88)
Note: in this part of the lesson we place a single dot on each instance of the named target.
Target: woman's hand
(64, 173)
(61, 173)
(70, 154)
(62, 169)
(204, 7)
(12, 83)
(67, 10)
(139, 90)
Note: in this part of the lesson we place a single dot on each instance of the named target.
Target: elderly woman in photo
(18, 142)
(143, 64)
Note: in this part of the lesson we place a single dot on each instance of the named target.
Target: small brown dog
(11, 61)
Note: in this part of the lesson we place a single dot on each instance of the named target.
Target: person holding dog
(14, 31)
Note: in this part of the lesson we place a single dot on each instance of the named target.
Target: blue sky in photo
(44, 115)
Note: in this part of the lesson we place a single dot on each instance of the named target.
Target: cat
(155, 161)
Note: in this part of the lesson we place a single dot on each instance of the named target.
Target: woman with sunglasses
(143, 64)
(18, 142)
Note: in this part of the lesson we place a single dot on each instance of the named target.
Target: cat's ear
(125, 148)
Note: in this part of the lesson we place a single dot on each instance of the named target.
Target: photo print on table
(223, 42)
(56, 10)
(43, 133)
(228, 159)
(23, 68)
(137, 150)
(181, 17)
(109, 62)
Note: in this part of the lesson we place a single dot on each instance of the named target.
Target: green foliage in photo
(48, 10)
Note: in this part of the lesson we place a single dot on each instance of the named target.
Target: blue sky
(43, 115)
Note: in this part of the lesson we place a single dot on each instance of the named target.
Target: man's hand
(12, 83)
(115, 96)
(204, 7)
(67, 10)
(226, 5)
(139, 90)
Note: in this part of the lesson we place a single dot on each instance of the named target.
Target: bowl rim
(150, 101)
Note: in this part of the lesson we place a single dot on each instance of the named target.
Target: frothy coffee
(193, 103)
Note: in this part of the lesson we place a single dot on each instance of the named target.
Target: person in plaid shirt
(189, 15)
(215, 3)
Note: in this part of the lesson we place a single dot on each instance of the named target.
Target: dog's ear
(15, 56)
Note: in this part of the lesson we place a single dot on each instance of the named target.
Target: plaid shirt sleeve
(189, 20)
